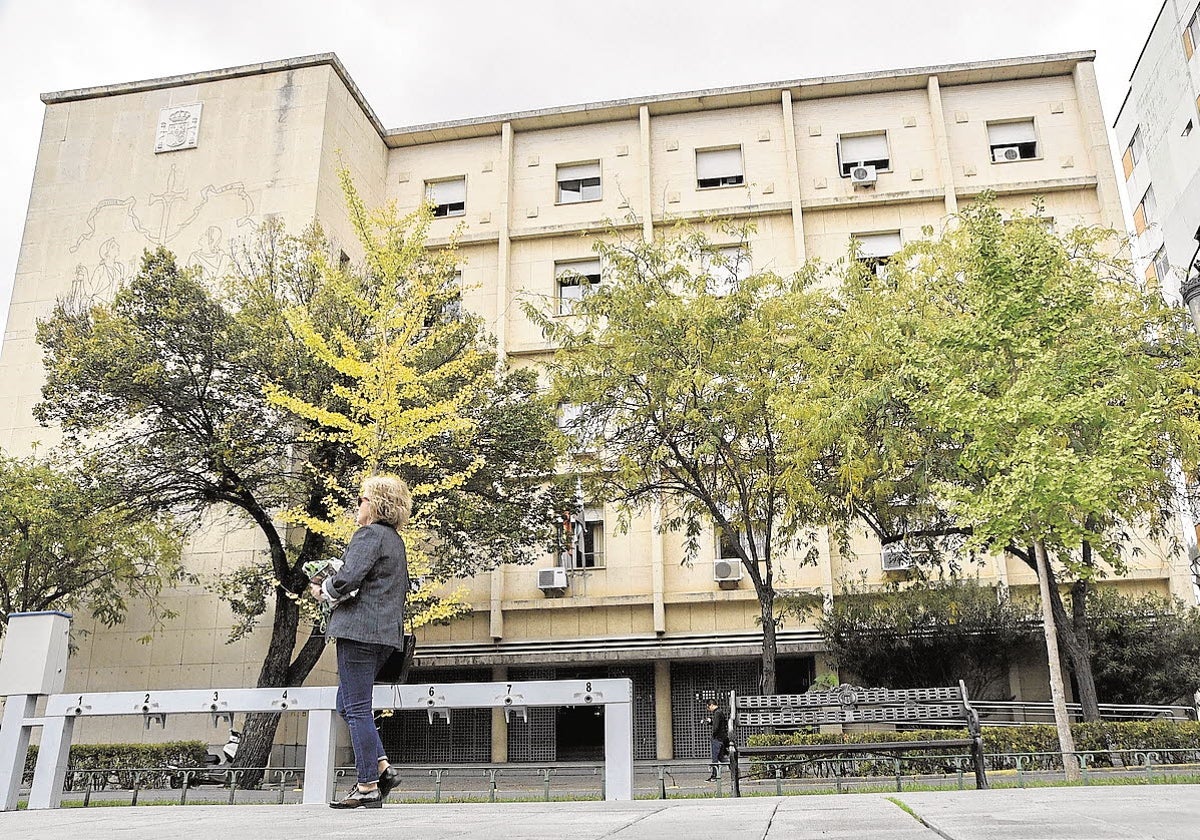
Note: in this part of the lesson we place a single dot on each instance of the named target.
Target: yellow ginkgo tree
(418, 391)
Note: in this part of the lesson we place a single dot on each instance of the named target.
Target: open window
(875, 249)
(578, 182)
(573, 280)
(1012, 140)
(719, 167)
(448, 196)
(867, 149)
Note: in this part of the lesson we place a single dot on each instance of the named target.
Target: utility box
(35, 653)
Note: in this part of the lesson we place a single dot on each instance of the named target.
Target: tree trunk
(1073, 636)
(258, 731)
(1062, 721)
(766, 601)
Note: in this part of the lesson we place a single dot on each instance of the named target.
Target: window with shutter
(719, 167)
(1012, 140)
(863, 150)
(448, 196)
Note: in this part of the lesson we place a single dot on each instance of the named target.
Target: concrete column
(793, 168)
(647, 196)
(503, 260)
(499, 724)
(664, 748)
(657, 572)
(941, 145)
(1095, 140)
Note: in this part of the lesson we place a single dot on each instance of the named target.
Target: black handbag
(395, 670)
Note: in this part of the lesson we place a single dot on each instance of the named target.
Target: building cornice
(320, 59)
(817, 87)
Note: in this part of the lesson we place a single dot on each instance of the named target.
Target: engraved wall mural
(204, 226)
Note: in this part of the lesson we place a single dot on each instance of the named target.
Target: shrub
(124, 760)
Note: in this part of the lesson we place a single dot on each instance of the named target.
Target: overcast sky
(422, 62)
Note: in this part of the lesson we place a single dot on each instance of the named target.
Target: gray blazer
(375, 565)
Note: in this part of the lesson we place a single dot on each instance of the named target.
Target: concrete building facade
(196, 162)
(1160, 162)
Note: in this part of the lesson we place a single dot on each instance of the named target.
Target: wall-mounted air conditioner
(1006, 153)
(862, 175)
(552, 581)
(727, 571)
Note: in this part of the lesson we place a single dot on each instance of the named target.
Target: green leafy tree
(1145, 648)
(165, 392)
(1044, 385)
(929, 633)
(68, 544)
(671, 367)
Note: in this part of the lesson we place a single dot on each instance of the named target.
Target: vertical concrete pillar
(941, 144)
(618, 752)
(657, 571)
(499, 724)
(793, 170)
(664, 748)
(503, 270)
(1095, 140)
(647, 184)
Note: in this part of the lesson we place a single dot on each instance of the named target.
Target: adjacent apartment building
(1161, 160)
(196, 162)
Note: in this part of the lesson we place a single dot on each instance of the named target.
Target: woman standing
(369, 625)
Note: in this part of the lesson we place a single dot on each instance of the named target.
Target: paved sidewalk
(1159, 812)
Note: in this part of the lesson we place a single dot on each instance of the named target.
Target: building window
(727, 268)
(1013, 140)
(1146, 212)
(578, 182)
(726, 544)
(1191, 35)
(875, 249)
(1133, 153)
(719, 167)
(1162, 265)
(591, 553)
(448, 197)
(863, 150)
(573, 281)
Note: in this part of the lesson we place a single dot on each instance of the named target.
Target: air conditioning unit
(1006, 153)
(552, 580)
(896, 558)
(727, 571)
(862, 175)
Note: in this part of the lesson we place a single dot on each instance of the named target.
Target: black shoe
(360, 799)
(711, 779)
(388, 780)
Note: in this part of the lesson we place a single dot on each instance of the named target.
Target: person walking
(368, 626)
(719, 721)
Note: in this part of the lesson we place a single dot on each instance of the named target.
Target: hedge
(123, 760)
(1101, 739)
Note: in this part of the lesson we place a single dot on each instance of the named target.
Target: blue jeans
(718, 748)
(358, 663)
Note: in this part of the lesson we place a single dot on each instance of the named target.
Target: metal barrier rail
(439, 701)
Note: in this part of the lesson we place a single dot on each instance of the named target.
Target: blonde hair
(389, 498)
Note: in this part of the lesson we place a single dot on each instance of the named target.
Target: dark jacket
(374, 563)
(720, 725)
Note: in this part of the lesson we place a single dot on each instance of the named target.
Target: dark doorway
(579, 730)
(580, 733)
